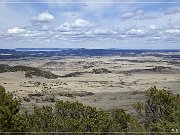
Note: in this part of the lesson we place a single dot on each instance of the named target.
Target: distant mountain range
(59, 49)
(51, 52)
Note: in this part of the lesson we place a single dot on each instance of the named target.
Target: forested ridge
(159, 113)
(29, 71)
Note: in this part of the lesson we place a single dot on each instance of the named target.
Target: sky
(123, 24)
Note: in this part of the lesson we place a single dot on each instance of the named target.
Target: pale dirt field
(118, 89)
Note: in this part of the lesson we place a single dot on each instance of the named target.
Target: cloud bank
(106, 25)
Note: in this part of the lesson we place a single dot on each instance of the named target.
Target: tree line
(159, 113)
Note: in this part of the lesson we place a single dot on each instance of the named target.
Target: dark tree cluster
(100, 71)
(29, 71)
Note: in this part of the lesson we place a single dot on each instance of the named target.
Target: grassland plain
(105, 82)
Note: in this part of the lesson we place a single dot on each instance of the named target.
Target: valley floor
(118, 82)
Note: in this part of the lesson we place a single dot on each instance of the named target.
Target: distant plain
(105, 82)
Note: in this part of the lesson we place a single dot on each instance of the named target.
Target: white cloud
(153, 38)
(64, 27)
(101, 32)
(80, 23)
(127, 15)
(31, 34)
(135, 32)
(173, 31)
(137, 15)
(104, 32)
(43, 17)
(152, 27)
(15, 30)
(156, 37)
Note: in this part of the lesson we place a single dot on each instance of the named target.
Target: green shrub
(9, 108)
(161, 111)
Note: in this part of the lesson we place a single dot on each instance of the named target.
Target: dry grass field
(105, 82)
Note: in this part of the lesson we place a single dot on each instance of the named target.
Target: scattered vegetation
(75, 93)
(26, 99)
(74, 74)
(50, 98)
(35, 95)
(154, 69)
(29, 71)
(95, 71)
(101, 70)
(88, 66)
(160, 113)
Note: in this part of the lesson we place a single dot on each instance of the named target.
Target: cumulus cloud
(15, 30)
(79, 23)
(70, 33)
(33, 34)
(156, 37)
(101, 32)
(152, 27)
(43, 17)
(173, 31)
(104, 32)
(30, 35)
(65, 27)
(138, 15)
(135, 32)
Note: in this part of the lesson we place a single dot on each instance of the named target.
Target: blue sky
(126, 24)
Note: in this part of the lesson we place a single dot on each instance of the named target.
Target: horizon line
(90, 2)
(86, 48)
